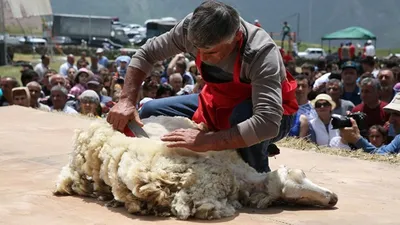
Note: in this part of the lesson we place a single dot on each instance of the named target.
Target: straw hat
(324, 97)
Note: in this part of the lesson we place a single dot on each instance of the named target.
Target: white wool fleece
(149, 178)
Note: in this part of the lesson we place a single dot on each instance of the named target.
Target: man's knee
(149, 109)
(241, 112)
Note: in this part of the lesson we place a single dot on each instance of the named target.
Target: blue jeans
(256, 156)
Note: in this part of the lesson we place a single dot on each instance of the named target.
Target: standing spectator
(69, 64)
(286, 32)
(349, 78)
(369, 49)
(103, 60)
(124, 56)
(42, 67)
(368, 65)
(123, 66)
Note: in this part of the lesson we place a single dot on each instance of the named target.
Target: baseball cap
(99, 50)
(349, 64)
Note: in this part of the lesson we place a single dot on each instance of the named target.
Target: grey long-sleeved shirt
(264, 71)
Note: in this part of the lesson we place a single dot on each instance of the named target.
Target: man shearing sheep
(248, 100)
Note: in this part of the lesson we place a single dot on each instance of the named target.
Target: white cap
(369, 42)
(99, 50)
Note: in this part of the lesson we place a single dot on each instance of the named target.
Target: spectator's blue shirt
(103, 61)
(308, 111)
(393, 147)
(354, 96)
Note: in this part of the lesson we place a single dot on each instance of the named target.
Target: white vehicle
(312, 53)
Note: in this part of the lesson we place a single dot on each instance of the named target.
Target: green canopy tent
(350, 33)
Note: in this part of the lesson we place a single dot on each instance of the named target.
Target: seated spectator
(89, 104)
(352, 134)
(35, 90)
(176, 81)
(46, 82)
(71, 74)
(149, 91)
(377, 135)
(306, 112)
(28, 76)
(21, 96)
(59, 80)
(339, 142)
(387, 81)
(164, 90)
(371, 105)
(334, 88)
(59, 97)
(81, 79)
(6, 85)
(321, 130)
(96, 84)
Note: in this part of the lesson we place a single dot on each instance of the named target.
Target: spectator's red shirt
(287, 58)
(352, 51)
(374, 116)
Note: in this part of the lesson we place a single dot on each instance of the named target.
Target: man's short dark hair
(304, 77)
(211, 23)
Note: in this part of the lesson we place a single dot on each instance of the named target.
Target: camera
(339, 121)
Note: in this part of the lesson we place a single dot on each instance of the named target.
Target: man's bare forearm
(133, 81)
(226, 139)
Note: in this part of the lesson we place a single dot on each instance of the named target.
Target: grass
(304, 46)
(14, 71)
(303, 145)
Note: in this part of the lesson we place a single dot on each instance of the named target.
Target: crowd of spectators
(91, 85)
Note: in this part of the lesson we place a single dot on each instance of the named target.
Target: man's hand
(123, 112)
(351, 134)
(193, 139)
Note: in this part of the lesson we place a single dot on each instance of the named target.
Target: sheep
(148, 178)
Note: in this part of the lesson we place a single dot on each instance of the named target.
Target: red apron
(217, 100)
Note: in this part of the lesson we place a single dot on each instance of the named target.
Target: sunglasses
(322, 104)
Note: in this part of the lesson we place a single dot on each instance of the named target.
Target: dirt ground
(35, 145)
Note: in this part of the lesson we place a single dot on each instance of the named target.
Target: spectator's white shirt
(40, 69)
(370, 50)
(336, 142)
(64, 68)
(67, 109)
(322, 79)
(375, 72)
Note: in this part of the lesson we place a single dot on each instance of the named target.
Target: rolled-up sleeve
(266, 74)
(392, 148)
(160, 48)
